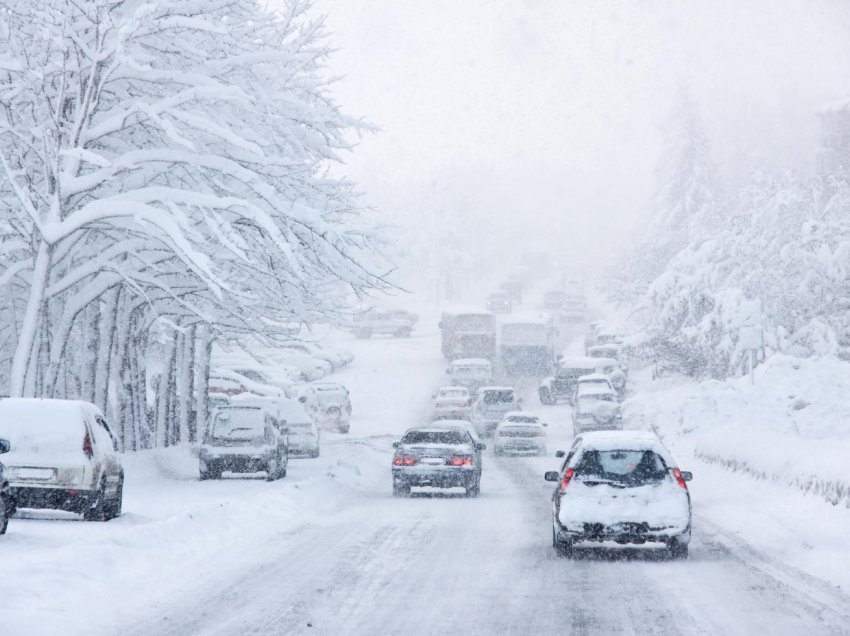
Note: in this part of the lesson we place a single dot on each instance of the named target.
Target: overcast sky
(546, 115)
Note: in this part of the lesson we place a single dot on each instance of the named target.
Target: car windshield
(566, 373)
(473, 322)
(495, 397)
(243, 425)
(631, 467)
(435, 437)
(523, 419)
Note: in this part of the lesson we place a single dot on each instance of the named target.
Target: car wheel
(545, 396)
(562, 548)
(96, 511)
(474, 490)
(344, 428)
(677, 550)
(315, 454)
(272, 470)
(114, 506)
(4, 517)
(401, 490)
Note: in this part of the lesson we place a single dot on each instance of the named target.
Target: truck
(468, 333)
(527, 345)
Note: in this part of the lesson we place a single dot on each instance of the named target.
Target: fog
(543, 121)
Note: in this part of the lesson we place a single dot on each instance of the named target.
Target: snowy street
(329, 550)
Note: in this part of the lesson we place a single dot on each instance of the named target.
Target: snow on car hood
(661, 505)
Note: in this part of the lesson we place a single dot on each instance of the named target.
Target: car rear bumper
(235, 463)
(517, 446)
(439, 478)
(67, 499)
(627, 532)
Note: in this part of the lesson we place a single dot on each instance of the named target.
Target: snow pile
(791, 427)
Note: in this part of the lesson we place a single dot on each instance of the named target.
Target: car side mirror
(396, 444)
(303, 399)
(544, 424)
(551, 475)
(687, 475)
(480, 446)
(5, 446)
(560, 453)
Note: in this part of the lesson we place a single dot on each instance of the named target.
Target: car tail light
(404, 460)
(460, 460)
(679, 479)
(565, 480)
(87, 449)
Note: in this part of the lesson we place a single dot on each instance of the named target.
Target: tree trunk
(163, 394)
(31, 321)
(202, 382)
(185, 384)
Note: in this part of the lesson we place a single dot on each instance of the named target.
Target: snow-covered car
(309, 366)
(335, 358)
(600, 333)
(7, 500)
(499, 303)
(385, 323)
(472, 373)
(464, 424)
(623, 487)
(592, 382)
(291, 420)
(242, 438)
(610, 351)
(452, 402)
(520, 432)
(562, 385)
(596, 410)
(437, 457)
(329, 404)
(63, 456)
(230, 382)
(490, 406)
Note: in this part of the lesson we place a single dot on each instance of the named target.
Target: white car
(472, 373)
(596, 409)
(452, 402)
(291, 420)
(622, 487)
(593, 382)
(491, 405)
(329, 404)
(63, 456)
(520, 432)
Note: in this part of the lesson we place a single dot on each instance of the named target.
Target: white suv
(63, 456)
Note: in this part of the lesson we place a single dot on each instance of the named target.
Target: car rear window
(629, 467)
(498, 397)
(243, 425)
(435, 437)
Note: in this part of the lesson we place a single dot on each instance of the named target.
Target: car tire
(401, 490)
(545, 397)
(315, 454)
(97, 511)
(474, 490)
(273, 470)
(4, 516)
(562, 548)
(677, 550)
(115, 505)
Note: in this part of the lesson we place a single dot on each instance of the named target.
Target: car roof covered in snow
(593, 377)
(36, 411)
(624, 440)
(608, 346)
(460, 310)
(581, 362)
(524, 414)
(285, 408)
(526, 318)
(471, 362)
(452, 388)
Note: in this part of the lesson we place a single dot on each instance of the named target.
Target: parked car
(472, 373)
(623, 487)
(329, 404)
(596, 409)
(452, 402)
(610, 351)
(63, 456)
(513, 288)
(292, 421)
(336, 359)
(230, 382)
(7, 500)
(592, 382)
(520, 432)
(438, 457)
(385, 323)
(561, 386)
(243, 438)
(491, 404)
(499, 303)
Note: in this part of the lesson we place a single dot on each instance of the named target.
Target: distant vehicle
(292, 422)
(593, 382)
(596, 409)
(7, 500)
(520, 432)
(623, 487)
(554, 300)
(491, 404)
(438, 457)
(230, 382)
(468, 334)
(527, 345)
(600, 334)
(243, 439)
(471, 373)
(385, 323)
(336, 359)
(452, 402)
(499, 303)
(514, 290)
(329, 404)
(610, 351)
(63, 456)
(573, 307)
(561, 385)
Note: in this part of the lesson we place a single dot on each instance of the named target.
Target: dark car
(7, 501)
(499, 303)
(438, 457)
(562, 385)
(243, 439)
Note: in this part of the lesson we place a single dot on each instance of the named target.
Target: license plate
(432, 461)
(41, 474)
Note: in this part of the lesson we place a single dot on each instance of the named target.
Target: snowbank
(792, 426)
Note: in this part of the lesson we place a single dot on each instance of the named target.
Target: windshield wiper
(607, 482)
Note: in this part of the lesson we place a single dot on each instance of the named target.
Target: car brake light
(681, 480)
(87, 449)
(565, 480)
(404, 460)
(460, 460)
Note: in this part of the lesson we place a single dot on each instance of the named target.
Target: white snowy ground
(329, 550)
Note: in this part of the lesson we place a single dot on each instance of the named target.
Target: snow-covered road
(329, 550)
